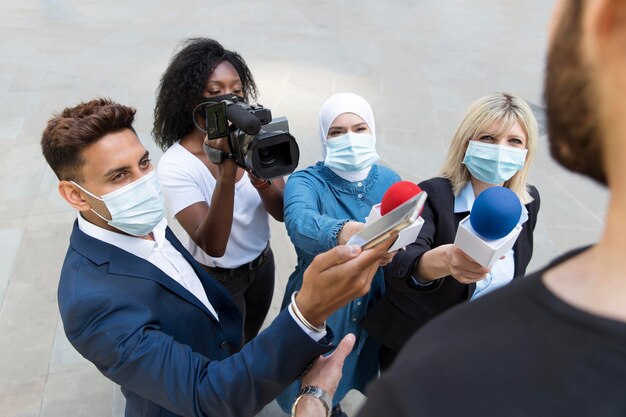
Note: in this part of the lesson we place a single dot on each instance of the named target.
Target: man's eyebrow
(116, 170)
(125, 167)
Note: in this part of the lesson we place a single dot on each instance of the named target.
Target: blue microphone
(495, 213)
(492, 227)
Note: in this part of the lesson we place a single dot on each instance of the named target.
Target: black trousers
(251, 287)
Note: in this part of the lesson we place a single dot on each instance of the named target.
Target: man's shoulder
(518, 351)
(452, 355)
(82, 276)
(86, 269)
(502, 309)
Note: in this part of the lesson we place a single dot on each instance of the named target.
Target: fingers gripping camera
(258, 144)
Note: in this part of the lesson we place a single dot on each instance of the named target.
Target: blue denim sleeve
(309, 229)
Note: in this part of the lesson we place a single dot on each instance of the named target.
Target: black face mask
(217, 156)
(229, 96)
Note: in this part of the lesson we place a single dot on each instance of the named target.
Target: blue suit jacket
(171, 357)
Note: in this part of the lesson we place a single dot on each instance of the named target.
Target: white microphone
(491, 228)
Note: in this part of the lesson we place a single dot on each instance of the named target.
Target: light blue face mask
(135, 208)
(351, 152)
(491, 163)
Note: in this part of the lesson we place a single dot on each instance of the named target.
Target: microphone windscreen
(495, 213)
(397, 194)
(243, 119)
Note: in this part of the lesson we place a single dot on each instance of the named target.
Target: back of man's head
(75, 128)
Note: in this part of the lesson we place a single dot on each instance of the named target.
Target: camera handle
(217, 156)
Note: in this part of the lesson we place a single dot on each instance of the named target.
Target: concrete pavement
(419, 63)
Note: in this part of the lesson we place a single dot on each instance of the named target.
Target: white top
(186, 180)
(503, 270)
(160, 253)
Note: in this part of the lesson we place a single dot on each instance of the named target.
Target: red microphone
(397, 194)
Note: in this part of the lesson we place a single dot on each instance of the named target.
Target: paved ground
(419, 63)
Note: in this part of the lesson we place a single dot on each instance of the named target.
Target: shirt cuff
(420, 283)
(316, 336)
(334, 233)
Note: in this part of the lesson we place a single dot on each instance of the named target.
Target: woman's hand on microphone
(463, 268)
(349, 228)
(447, 260)
(387, 258)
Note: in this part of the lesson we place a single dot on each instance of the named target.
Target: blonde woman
(494, 145)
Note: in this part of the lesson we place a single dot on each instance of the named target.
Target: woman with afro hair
(223, 210)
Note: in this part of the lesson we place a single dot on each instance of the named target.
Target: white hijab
(333, 107)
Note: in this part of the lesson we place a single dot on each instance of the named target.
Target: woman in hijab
(325, 205)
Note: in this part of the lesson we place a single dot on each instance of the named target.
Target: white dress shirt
(158, 252)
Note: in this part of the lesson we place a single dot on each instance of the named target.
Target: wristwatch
(260, 184)
(316, 392)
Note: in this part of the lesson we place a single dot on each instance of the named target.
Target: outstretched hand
(463, 268)
(337, 277)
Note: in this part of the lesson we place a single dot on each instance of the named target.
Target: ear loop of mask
(97, 198)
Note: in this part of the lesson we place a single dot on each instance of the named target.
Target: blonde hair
(506, 108)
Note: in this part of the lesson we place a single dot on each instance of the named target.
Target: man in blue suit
(137, 305)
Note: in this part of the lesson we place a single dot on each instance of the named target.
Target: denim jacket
(317, 204)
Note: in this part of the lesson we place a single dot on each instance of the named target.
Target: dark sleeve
(523, 249)
(533, 206)
(401, 268)
(122, 338)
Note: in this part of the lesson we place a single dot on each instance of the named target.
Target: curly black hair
(183, 82)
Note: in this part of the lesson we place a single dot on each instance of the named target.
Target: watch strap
(313, 391)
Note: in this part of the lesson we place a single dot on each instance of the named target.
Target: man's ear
(73, 196)
(606, 19)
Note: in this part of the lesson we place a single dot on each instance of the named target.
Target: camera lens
(268, 155)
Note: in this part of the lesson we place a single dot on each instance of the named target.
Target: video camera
(258, 144)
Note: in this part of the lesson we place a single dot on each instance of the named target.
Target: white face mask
(351, 152)
(135, 208)
(493, 164)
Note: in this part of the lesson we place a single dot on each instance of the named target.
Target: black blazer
(404, 308)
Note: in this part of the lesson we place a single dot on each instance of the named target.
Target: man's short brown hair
(75, 128)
